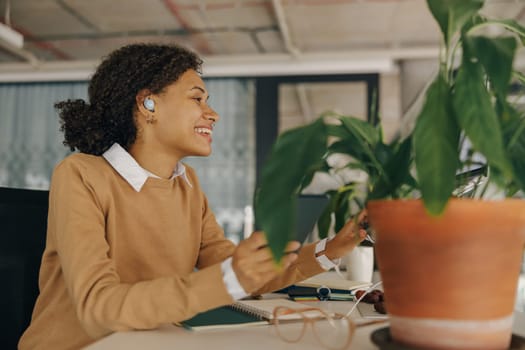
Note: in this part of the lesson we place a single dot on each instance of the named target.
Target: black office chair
(23, 222)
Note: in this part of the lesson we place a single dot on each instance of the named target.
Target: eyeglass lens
(332, 332)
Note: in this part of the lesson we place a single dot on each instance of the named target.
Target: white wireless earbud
(149, 104)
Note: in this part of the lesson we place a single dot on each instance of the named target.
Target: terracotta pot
(450, 281)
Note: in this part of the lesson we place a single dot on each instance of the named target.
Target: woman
(131, 241)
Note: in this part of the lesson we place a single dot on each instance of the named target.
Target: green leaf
(397, 171)
(361, 129)
(512, 26)
(321, 166)
(363, 137)
(352, 147)
(338, 205)
(358, 140)
(295, 151)
(520, 76)
(475, 21)
(323, 223)
(383, 153)
(341, 212)
(514, 139)
(479, 120)
(451, 15)
(496, 56)
(401, 163)
(436, 138)
(337, 131)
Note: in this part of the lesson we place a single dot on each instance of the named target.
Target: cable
(7, 17)
(372, 287)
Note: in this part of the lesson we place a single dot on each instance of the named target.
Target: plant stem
(517, 134)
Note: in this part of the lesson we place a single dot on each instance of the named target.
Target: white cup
(360, 264)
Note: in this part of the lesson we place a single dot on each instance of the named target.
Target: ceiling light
(11, 37)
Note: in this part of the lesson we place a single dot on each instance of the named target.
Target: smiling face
(184, 121)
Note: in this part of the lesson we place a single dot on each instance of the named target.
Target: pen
(305, 298)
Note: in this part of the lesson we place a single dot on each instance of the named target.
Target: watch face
(323, 293)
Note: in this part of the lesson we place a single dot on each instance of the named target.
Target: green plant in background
(465, 107)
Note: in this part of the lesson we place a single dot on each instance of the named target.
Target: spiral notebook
(242, 313)
(333, 283)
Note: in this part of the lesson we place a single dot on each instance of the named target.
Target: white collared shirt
(137, 176)
(132, 172)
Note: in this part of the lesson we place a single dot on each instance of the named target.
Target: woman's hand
(347, 238)
(253, 262)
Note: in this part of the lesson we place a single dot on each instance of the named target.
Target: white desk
(253, 338)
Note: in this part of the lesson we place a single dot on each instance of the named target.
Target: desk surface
(257, 337)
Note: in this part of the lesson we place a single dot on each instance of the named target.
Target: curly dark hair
(108, 117)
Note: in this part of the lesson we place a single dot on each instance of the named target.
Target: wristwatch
(320, 249)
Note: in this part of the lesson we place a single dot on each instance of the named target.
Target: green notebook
(241, 313)
(222, 317)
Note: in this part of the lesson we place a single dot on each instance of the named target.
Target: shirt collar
(132, 172)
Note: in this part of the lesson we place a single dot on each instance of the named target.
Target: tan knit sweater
(117, 259)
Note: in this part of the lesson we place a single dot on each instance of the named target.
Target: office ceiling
(69, 30)
(263, 36)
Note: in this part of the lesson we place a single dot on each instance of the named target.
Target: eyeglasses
(332, 331)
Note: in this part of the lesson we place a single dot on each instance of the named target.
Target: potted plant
(449, 265)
